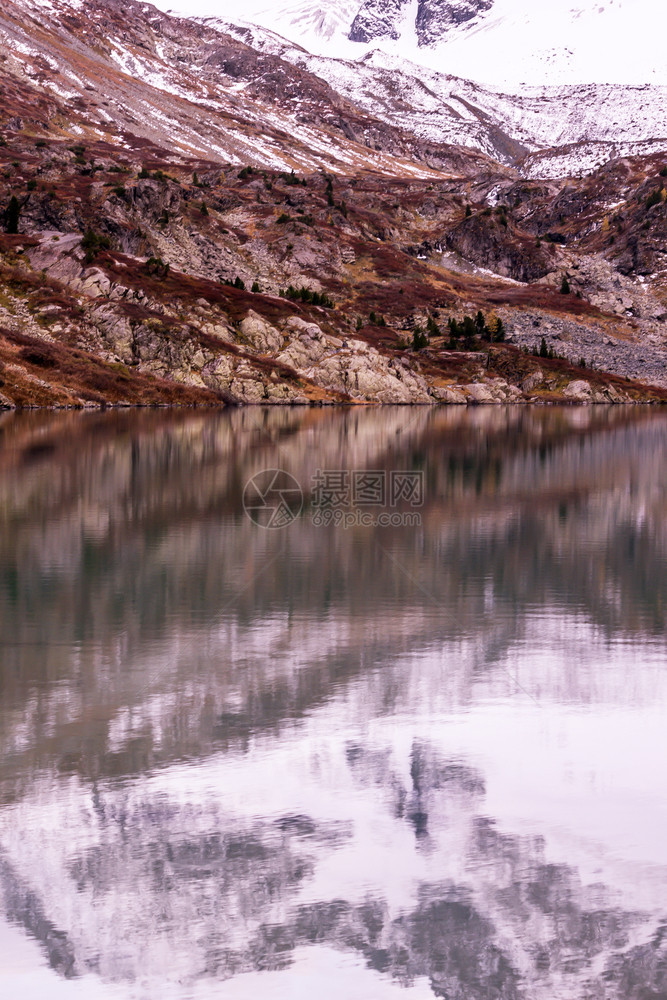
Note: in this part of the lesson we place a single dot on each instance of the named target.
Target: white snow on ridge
(516, 43)
(439, 107)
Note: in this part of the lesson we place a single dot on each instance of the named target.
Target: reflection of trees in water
(520, 927)
(138, 532)
(124, 537)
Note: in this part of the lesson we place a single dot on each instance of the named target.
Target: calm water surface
(364, 762)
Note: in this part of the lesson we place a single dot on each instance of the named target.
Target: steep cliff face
(377, 19)
(436, 17)
(430, 19)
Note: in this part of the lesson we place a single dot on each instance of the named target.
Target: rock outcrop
(433, 19)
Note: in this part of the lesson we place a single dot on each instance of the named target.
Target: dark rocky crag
(434, 18)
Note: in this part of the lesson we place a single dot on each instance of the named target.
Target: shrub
(32, 184)
(157, 267)
(653, 199)
(283, 218)
(92, 243)
(245, 172)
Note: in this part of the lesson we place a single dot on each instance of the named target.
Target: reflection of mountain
(141, 881)
(205, 725)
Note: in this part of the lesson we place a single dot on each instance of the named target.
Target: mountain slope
(544, 132)
(128, 69)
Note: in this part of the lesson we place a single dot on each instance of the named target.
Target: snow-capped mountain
(507, 43)
(546, 131)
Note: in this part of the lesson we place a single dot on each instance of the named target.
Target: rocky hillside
(191, 218)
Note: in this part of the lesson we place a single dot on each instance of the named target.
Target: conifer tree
(12, 216)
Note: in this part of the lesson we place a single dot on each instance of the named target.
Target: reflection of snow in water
(171, 869)
(322, 973)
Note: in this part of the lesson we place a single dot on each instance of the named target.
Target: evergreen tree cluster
(292, 180)
(420, 339)
(469, 331)
(305, 295)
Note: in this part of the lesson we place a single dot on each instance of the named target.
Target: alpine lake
(345, 704)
